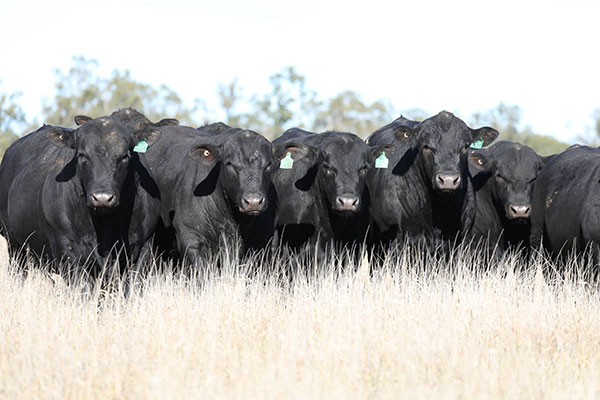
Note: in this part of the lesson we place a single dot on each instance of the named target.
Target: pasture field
(407, 329)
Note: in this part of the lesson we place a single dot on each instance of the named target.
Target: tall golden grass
(410, 328)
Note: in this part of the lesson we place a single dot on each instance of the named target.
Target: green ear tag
(477, 144)
(382, 161)
(141, 147)
(287, 162)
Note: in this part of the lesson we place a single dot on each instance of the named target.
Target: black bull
(78, 193)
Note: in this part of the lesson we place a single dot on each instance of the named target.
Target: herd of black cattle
(121, 187)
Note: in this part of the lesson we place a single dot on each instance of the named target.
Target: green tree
(288, 104)
(229, 96)
(12, 120)
(80, 90)
(507, 119)
(347, 112)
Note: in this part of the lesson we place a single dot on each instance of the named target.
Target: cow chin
(102, 210)
(519, 221)
(345, 213)
(251, 213)
(445, 192)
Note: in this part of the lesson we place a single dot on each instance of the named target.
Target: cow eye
(82, 158)
(328, 170)
(501, 178)
(428, 149)
(205, 154)
(363, 170)
(124, 159)
(268, 167)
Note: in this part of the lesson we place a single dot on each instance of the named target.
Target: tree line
(288, 102)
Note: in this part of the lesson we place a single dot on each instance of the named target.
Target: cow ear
(485, 136)
(149, 135)
(61, 137)
(168, 122)
(376, 152)
(479, 161)
(205, 153)
(81, 119)
(296, 152)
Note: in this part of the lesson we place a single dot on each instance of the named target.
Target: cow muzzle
(518, 211)
(447, 182)
(347, 203)
(252, 204)
(103, 200)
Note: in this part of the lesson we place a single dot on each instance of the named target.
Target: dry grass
(405, 331)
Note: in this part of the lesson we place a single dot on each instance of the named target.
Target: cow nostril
(349, 203)
(447, 181)
(103, 199)
(519, 211)
(252, 203)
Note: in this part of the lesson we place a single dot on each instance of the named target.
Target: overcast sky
(462, 56)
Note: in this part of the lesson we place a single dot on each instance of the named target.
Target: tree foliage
(347, 112)
(229, 96)
(507, 120)
(12, 119)
(80, 90)
(288, 102)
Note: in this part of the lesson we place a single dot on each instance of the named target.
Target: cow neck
(326, 217)
(496, 204)
(231, 210)
(447, 211)
(486, 204)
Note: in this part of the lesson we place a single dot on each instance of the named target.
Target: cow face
(245, 169)
(341, 164)
(513, 169)
(103, 150)
(443, 142)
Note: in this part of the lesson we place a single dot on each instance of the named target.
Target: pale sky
(462, 56)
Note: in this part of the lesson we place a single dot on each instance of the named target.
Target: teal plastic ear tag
(141, 147)
(287, 162)
(382, 161)
(477, 144)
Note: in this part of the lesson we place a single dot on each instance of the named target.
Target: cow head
(513, 169)
(443, 142)
(245, 168)
(103, 150)
(340, 163)
(132, 119)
